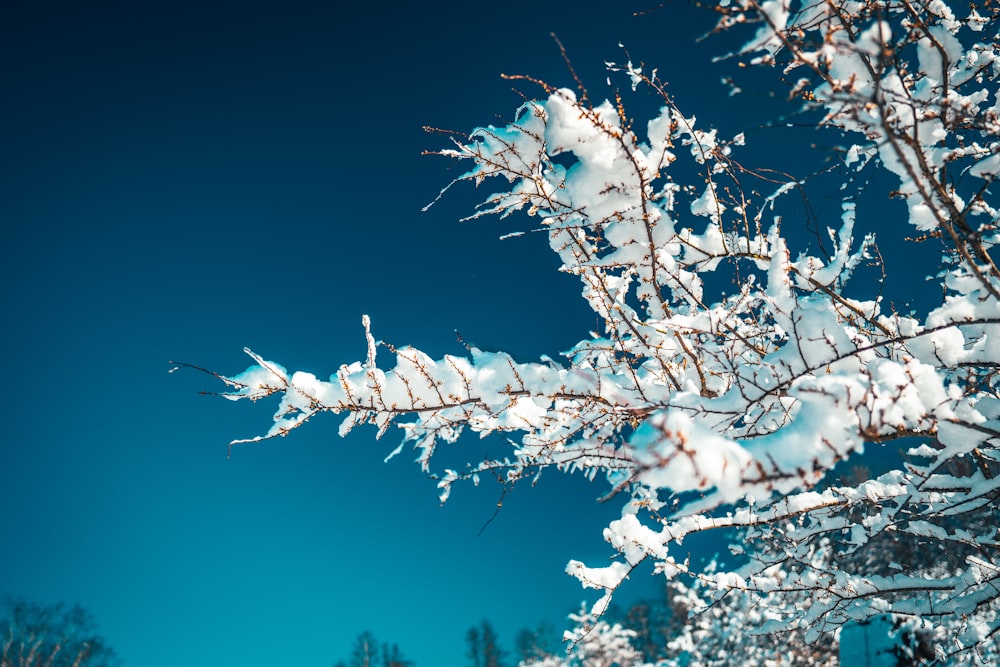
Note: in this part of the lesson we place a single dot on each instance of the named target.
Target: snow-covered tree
(594, 642)
(736, 366)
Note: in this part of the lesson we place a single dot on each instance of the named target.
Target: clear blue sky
(183, 179)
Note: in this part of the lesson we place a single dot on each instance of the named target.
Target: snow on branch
(713, 411)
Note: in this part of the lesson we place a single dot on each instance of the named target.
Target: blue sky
(181, 180)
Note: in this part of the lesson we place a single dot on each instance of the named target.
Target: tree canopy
(37, 635)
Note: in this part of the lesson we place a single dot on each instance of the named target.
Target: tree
(654, 621)
(34, 635)
(700, 643)
(737, 365)
(393, 657)
(367, 651)
(536, 643)
(475, 651)
(594, 642)
(484, 648)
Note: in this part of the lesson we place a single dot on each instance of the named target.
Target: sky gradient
(182, 180)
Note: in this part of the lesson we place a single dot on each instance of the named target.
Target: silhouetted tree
(393, 657)
(367, 651)
(537, 643)
(35, 635)
(650, 620)
(484, 650)
(475, 651)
